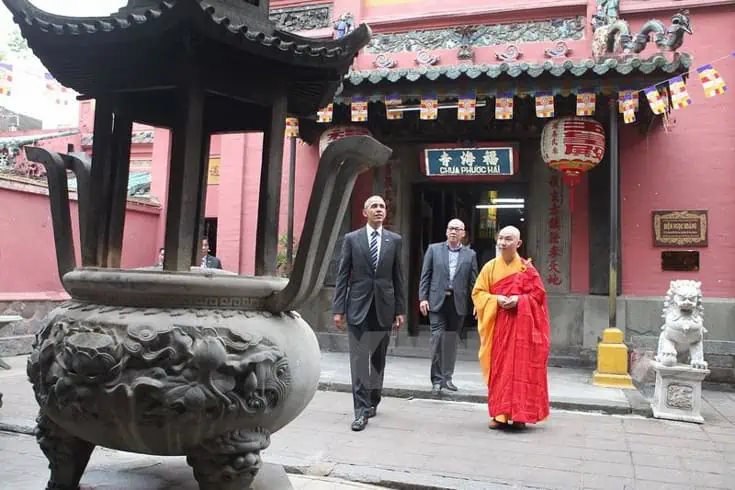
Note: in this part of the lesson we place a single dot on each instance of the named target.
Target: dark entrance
(484, 208)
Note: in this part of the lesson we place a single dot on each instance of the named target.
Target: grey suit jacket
(358, 285)
(435, 277)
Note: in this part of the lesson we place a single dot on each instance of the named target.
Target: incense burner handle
(56, 165)
(339, 166)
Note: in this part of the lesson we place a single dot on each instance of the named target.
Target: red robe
(518, 385)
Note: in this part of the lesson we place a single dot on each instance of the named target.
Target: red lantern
(572, 145)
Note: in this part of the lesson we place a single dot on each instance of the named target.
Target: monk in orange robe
(513, 323)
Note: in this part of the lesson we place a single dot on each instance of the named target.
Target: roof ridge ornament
(614, 39)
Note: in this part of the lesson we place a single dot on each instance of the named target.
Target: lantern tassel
(571, 179)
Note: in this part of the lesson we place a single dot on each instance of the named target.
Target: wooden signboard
(680, 228)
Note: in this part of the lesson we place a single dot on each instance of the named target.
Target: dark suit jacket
(358, 285)
(435, 277)
(213, 262)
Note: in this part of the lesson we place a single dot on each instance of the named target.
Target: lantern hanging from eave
(334, 133)
(572, 145)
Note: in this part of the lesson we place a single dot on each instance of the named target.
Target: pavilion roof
(220, 18)
(153, 46)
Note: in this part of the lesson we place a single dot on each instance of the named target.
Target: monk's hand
(474, 312)
(424, 307)
(512, 302)
(339, 322)
(502, 300)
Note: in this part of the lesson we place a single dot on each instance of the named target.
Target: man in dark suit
(448, 275)
(209, 261)
(368, 301)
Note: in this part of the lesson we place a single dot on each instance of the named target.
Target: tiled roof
(509, 71)
(138, 137)
(229, 20)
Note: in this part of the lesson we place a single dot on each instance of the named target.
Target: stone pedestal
(678, 394)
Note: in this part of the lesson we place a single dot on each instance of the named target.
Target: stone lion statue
(683, 329)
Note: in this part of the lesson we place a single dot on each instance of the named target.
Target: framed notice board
(683, 228)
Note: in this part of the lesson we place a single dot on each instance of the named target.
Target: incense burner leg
(68, 455)
(229, 462)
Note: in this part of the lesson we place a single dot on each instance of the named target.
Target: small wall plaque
(680, 260)
(680, 228)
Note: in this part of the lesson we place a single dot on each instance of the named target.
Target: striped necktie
(374, 248)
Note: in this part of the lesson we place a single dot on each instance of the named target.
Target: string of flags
(6, 79)
(657, 96)
(56, 92)
(52, 89)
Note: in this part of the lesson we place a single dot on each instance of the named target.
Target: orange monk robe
(516, 374)
(486, 304)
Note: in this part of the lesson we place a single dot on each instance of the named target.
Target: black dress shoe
(371, 412)
(359, 423)
(436, 389)
(450, 386)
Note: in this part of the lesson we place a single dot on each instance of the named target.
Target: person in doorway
(448, 273)
(513, 323)
(368, 301)
(209, 261)
(161, 256)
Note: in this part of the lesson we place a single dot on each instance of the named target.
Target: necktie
(374, 248)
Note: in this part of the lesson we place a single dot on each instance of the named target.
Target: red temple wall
(28, 259)
(692, 166)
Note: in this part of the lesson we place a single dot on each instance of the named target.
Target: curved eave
(45, 31)
(589, 67)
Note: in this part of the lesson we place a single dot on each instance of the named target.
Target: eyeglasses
(454, 228)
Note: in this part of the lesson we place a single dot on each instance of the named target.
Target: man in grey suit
(368, 300)
(448, 275)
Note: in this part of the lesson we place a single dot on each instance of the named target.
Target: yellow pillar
(612, 361)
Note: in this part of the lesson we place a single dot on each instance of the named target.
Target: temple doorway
(484, 208)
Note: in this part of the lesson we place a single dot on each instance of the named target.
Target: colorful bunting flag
(325, 115)
(504, 106)
(466, 106)
(628, 109)
(679, 95)
(292, 127)
(359, 109)
(6, 78)
(55, 91)
(429, 107)
(544, 104)
(658, 106)
(586, 103)
(621, 99)
(712, 82)
(392, 101)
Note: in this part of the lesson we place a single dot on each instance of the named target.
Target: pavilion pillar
(182, 214)
(202, 198)
(94, 247)
(122, 133)
(612, 353)
(269, 204)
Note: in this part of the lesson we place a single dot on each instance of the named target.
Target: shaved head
(509, 239)
(511, 230)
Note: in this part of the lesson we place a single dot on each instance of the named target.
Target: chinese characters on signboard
(213, 173)
(553, 270)
(468, 162)
(680, 228)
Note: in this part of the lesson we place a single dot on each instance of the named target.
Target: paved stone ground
(419, 443)
(409, 376)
